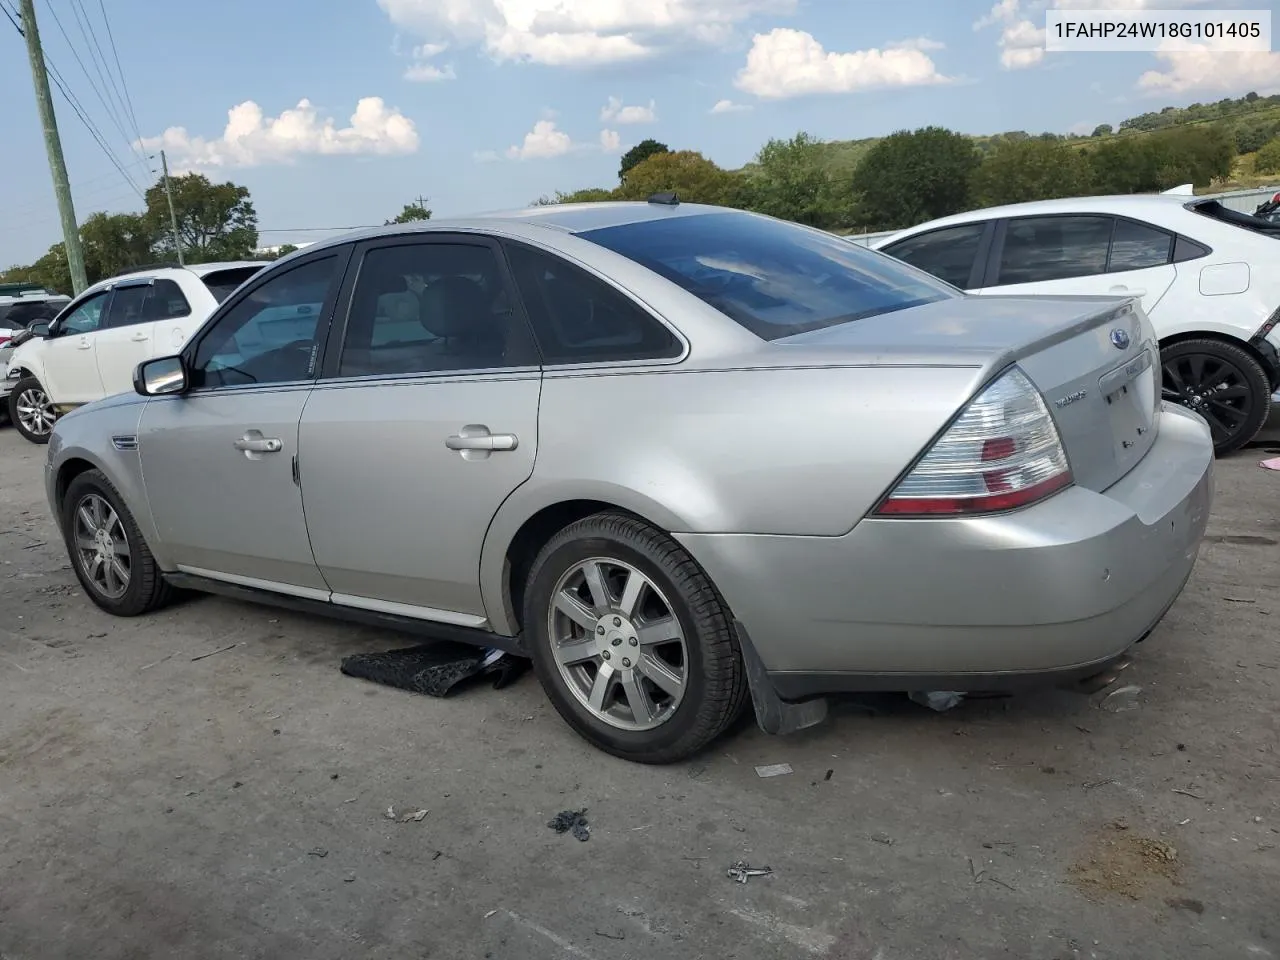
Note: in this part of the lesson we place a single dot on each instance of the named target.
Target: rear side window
(223, 283)
(578, 318)
(1136, 245)
(147, 303)
(1037, 249)
(948, 253)
(776, 279)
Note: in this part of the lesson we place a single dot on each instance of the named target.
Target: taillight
(1001, 453)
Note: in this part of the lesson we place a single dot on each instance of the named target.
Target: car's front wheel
(31, 410)
(631, 641)
(1223, 383)
(111, 559)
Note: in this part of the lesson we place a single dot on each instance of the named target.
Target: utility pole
(422, 201)
(53, 146)
(173, 217)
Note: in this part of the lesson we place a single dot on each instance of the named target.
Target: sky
(336, 114)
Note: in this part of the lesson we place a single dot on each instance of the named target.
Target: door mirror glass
(164, 375)
(39, 328)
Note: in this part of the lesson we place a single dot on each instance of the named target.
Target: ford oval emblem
(1120, 338)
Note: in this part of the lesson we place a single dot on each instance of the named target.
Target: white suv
(1208, 277)
(95, 343)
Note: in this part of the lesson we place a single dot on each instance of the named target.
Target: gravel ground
(157, 805)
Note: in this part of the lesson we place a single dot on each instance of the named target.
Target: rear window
(1224, 214)
(775, 278)
(222, 283)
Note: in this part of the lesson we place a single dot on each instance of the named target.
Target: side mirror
(159, 377)
(39, 328)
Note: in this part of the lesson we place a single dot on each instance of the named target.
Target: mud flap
(773, 714)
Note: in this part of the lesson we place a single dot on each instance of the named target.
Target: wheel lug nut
(617, 641)
(600, 629)
(606, 655)
(634, 642)
(617, 621)
(626, 662)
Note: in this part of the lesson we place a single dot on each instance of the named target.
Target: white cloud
(1021, 45)
(1005, 11)
(918, 43)
(1206, 67)
(791, 63)
(610, 141)
(615, 112)
(423, 70)
(543, 141)
(728, 106)
(252, 139)
(579, 33)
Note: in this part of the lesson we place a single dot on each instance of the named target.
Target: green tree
(693, 177)
(1103, 130)
(641, 152)
(1268, 158)
(215, 221)
(411, 213)
(1030, 170)
(913, 176)
(51, 271)
(789, 179)
(585, 195)
(114, 241)
(1164, 159)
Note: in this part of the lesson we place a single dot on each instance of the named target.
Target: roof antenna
(667, 199)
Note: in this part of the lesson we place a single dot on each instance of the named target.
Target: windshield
(775, 278)
(222, 283)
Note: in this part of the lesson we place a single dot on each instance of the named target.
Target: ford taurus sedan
(685, 459)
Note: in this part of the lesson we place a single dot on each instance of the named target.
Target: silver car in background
(684, 458)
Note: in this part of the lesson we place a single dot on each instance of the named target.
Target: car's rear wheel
(111, 559)
(1223, 383)
(31, 410)
(631, 641)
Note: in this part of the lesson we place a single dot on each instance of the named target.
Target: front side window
(776, 279)
(948, 253)
(1037, 249)
(270, 336)
(86, 317)
(578, 318)
(429, 307)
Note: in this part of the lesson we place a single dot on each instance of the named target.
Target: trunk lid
(1095, 360)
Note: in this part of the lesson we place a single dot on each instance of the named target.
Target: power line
(128, 100)
(91, 43)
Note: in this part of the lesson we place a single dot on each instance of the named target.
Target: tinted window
(1186, 249)
(425, 307)
(147, 303)
(1136, 245)
(128, 305)
(16, 316)
(948, 254)
(579, 318)
(223, 283)
(774, 278)
(86, 317)
(271, 335)
(1054, 248)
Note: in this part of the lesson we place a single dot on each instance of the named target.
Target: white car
(1208, 277)
(95, 343)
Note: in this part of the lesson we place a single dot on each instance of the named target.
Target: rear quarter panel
(791, 451)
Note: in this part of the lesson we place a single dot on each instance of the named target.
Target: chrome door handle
(263, 445)
(1135, 292)
(139, 338)
(482, 441)
(84, 344)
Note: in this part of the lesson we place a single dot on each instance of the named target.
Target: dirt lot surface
(157, 805)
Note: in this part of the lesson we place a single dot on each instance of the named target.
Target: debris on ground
(416, 817)
(1272, 464)
(571, 821)
(937, 700)
(741, 871)
(317, 852)
(1122, 699)
(774, 770)
(1124, 863)
(214, 653)
(436, 669)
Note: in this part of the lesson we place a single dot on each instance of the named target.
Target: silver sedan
(688, 460)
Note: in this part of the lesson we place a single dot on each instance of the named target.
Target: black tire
(21, 390)
(715, 685)
(147, 589)
(1221, 381)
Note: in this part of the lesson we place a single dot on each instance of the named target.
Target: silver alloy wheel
(102, 547)
(618, 644)
(35, 411)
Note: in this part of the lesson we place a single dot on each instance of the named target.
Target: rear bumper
(1050, 593)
